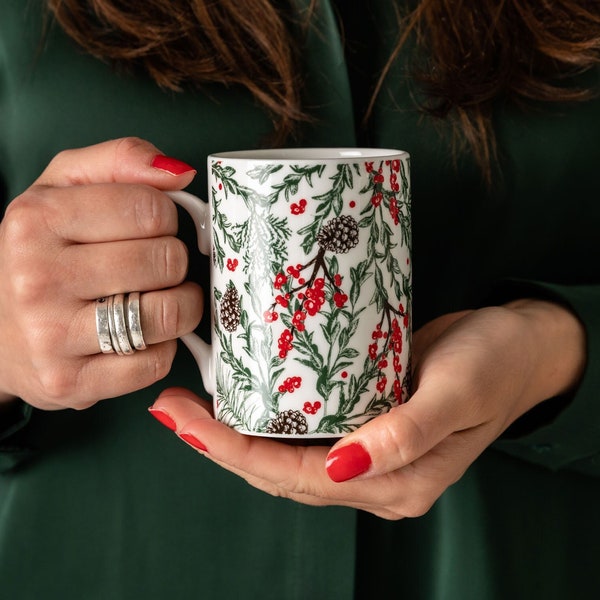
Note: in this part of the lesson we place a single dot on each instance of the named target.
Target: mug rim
(337, 154)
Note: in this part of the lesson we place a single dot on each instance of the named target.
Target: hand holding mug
(95, 223)
(475, 373)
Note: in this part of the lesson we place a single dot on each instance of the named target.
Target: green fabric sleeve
(563, 433)
(12, 421)
(14, 418)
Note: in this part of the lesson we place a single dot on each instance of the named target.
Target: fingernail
(347, 462)
(193, 441)
(163, 417)
(171, 165)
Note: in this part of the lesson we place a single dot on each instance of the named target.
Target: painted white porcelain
(311, 288)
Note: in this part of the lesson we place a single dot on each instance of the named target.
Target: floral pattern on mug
(312, 325)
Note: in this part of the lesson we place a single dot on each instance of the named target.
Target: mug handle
(201, 351)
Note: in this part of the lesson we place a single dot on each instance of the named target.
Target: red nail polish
(347, 462)
(192, 440)
(171, 165)
(162, 417)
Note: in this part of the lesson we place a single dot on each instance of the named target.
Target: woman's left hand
(474, 373)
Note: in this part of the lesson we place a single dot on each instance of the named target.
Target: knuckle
(193, 309)
(401, 436)
(153, 215)
(27, 275)
(170, 317)
(30, 284)
(151, 365)
(125, 148)
(21, 219)
(127, 145)
(58, 384)
(417, 507)
(161, 361)
(29, 250)
(295, 484)
(59, 160)
(66, 165)
(171, 260)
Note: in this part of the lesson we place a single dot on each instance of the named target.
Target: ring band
(118, 314)
(111, 324)
(102, 326)
(134, 325)
(118, 324)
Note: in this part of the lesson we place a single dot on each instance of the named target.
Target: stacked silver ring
(118, 324)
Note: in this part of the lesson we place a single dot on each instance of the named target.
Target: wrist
(557, 344)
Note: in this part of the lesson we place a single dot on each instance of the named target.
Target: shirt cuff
(562, 432)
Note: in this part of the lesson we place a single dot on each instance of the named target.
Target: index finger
(100, 212)
(126, 160)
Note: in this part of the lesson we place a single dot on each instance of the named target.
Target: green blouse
(105, 504)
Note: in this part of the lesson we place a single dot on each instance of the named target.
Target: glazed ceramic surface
(311, 288)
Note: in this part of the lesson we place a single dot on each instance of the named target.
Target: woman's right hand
(95, 223)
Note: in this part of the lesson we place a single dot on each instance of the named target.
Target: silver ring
(134, 325)
(120, 326)
(111, 325)
(102, 326)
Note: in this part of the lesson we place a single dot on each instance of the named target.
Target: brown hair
(196, 42)
(474, 51)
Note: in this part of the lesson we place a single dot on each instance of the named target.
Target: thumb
(395, 439)
(125, 160)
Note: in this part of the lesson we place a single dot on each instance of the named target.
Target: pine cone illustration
(288, 422)
(339, 235)
(230, 309)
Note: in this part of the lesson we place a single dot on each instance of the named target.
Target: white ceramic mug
(310, 288)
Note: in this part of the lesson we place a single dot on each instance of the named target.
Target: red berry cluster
(290, 384)
(308, 299)
(378, 179)
(285, 343)
(270, 316)
(340, 299)
(280, 281)
(298, 320)
(392, 342)
(314, 298)
(312, 409)
(298, 209)
(283, 301)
